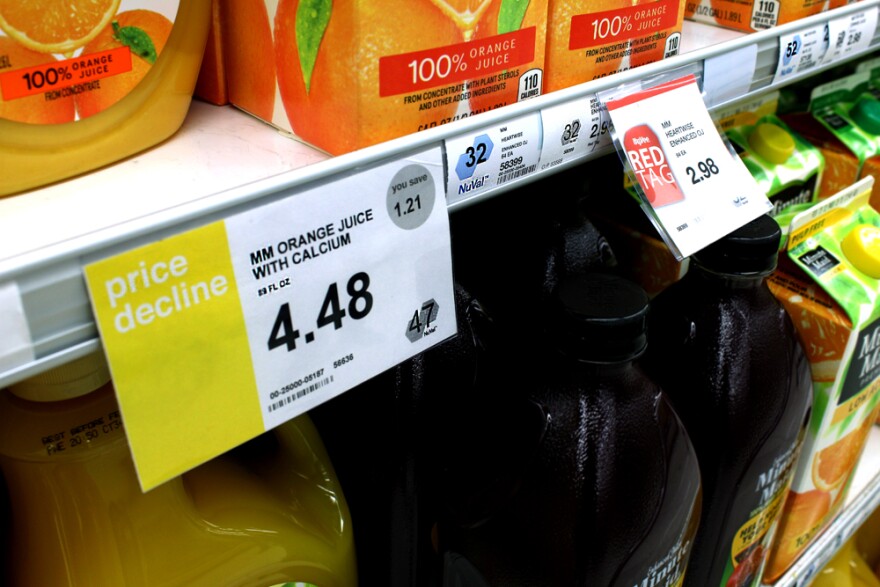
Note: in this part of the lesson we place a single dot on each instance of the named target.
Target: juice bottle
(727, 353)
(577, 471)
(268, 512)
(86, 83)
(846, 569)
(383, 437)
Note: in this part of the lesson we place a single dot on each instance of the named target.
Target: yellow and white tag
(223, 332)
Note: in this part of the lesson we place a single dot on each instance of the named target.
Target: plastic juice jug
(728, 354)
(846, 569)
(105, 80)
(383, 437)
(578, 471)
(267, 512)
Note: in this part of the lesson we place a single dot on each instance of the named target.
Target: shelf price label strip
(824, 44)
(572, 130)
(221, 333)
(492, 156)
(692, 187)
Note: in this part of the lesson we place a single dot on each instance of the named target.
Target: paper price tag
(849, 35)
(801, 51)
(492, 156)
(572, 130)
(223, 332)
(694, 188)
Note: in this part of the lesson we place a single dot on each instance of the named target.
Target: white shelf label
(572, 130)
(849, 34)
(251, 321)
(800, 52)
(694, 188)
(489, 157)
(16, 346)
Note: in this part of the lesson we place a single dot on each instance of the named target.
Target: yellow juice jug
(84, 83)
(846, 569)
(268, 512)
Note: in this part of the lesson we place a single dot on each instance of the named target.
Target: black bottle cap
(599, 317)
(751, 248)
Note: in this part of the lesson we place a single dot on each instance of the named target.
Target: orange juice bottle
(85, 83)
(267, 512)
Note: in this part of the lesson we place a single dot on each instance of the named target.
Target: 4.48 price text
(360, 302)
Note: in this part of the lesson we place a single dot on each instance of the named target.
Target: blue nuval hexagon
(462, 169)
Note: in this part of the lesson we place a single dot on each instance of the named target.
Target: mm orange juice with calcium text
(267, 512)
(589, 39)
(84, 83)
(345, 75)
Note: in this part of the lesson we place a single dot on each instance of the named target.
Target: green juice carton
(843, 122)
(786, 166)
(829, 282)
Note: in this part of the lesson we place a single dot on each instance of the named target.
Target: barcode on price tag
(479, 161)
(801, 51)
(246, 323)
(849, 35)
(692, 186)
(573, 130)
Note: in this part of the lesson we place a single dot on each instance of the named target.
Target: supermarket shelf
(862, 500)
(223, 162)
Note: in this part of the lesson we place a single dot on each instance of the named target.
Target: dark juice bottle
(727, 353)
(576, 471)
(383, 440)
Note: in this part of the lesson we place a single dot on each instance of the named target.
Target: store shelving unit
(224, 162)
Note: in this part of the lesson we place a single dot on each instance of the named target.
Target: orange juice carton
(211, 83)
(345, 75)
(755, 15)
(589, 39)
(843, 122)
(787, 168)
(830, 285)
(85, 83)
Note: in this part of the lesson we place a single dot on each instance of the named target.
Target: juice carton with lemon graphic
(787, 167)
(843, 122)
(590, 39)
(84, 83)
(345, 75)
(831, 288)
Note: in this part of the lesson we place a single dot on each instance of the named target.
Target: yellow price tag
(175, 338)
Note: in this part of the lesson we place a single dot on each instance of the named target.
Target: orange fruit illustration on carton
(833, 464)
(802, 519)
(327, 62)
(50, 26)
(250, 56)
(145, 32)
(34, 109)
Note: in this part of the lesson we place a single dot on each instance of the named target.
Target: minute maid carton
(830, 284)
(787, 168)
(844, 123)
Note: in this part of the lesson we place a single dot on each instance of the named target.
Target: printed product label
(599, 28)
(669, 570)
(440, 66)
(82, 434)
(752, 540)
(94, 55)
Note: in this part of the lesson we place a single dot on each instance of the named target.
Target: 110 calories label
(692, 186)
(219, 334)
